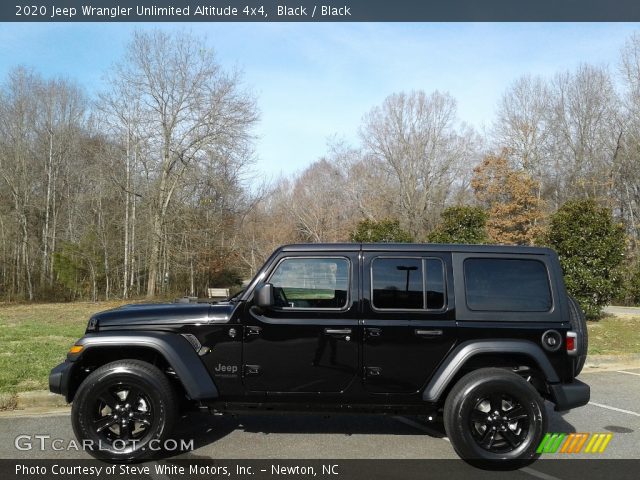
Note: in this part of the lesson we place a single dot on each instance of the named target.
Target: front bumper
(570, 395)
(59, 379)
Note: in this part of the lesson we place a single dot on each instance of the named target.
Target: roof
(411, 247)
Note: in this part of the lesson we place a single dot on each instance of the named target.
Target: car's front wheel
(124, 411)
(495, 419)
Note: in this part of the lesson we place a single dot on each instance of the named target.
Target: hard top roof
(412, 247)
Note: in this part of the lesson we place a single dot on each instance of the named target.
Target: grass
(614, 335)
(34, 338)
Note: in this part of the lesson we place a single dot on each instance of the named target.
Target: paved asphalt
(614, 408)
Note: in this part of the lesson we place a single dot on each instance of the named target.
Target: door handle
(374, 332)
(252, 369)
(428, 333)
(372, 371)
(253, 331)
(337, 331)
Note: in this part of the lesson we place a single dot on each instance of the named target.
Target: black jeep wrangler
(480, 334)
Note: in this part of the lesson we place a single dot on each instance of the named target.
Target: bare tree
(586, 132)
(418, 139)
(367, 187)
(61, 112)
(267, 225)
(318, 205)
(121, 111)
(521, 128)
(189, 107)
(18, 114)
(628, 173)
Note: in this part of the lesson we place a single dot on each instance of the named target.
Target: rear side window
(497, 284)
(399, 283)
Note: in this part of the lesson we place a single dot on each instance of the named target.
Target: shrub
(464, 224)
(591, 249)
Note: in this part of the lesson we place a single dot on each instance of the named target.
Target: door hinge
(372, 371)
(252, 369)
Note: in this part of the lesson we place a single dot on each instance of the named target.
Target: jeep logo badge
(226, 370)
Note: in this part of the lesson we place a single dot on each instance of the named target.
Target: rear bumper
(59, 379)
(570, 395)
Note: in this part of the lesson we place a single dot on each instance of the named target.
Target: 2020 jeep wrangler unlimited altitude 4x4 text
(482, 334)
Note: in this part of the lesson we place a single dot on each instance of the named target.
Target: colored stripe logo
(574, 443)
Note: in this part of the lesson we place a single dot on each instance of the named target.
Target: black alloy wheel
(495, 419)
(499, 423)
(124, 411)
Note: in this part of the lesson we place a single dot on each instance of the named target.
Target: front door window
(316, 283)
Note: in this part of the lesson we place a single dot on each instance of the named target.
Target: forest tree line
(147, 189)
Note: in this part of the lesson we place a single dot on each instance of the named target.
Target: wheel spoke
(133, 395)
(487, 439)
(496, 402)
(478, 417)
(104, 422)
(125, 431)
(516, 413)
(510, 437)
(109, 399)
(142, 417)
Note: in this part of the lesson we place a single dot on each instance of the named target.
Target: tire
(123, 406)
(480, 437)
(579, 325)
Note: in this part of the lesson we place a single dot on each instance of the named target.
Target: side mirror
(264, 296)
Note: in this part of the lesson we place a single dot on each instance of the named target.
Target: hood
(162, 314)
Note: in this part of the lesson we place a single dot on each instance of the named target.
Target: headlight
(92, 326)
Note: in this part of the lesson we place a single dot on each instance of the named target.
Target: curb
(40, 398)
(598, 361)
(30, 400)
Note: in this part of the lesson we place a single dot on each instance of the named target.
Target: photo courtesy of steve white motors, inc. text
(195, 12)
(182, 469)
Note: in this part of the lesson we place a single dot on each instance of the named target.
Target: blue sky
(313, 81)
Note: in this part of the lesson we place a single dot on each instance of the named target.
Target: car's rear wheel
(495, 419)
(124, 411)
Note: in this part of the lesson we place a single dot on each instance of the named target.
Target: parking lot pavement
(613, 409)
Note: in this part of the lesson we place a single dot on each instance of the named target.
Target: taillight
(572, 343)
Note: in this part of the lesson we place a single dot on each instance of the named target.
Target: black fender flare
(466, 350)
(175, 349)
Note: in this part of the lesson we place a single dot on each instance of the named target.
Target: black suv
(480, 334)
